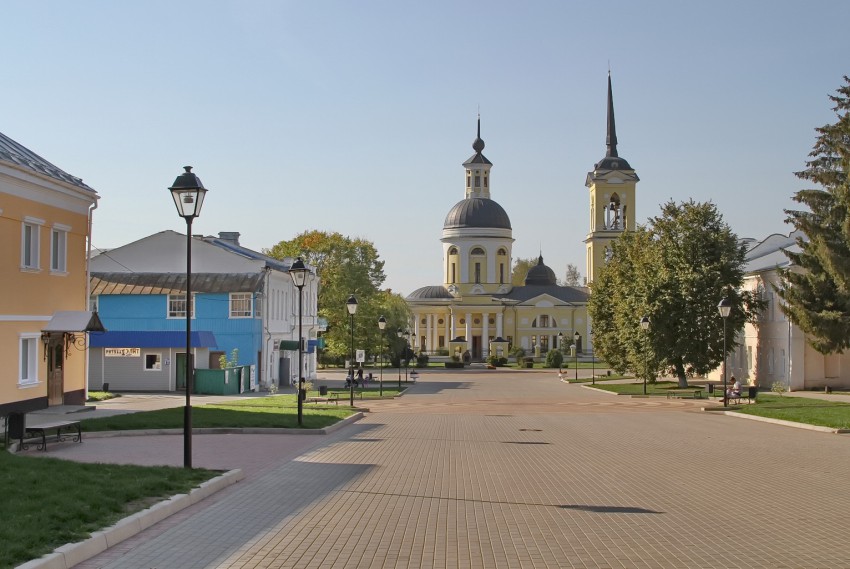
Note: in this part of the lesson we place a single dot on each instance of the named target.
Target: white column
(453, 325)
(448, 329)
(468, 329)
(431, 340)
(415, 342)
(499, 325)
(485, 334)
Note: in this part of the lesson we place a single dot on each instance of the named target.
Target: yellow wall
(28, 298)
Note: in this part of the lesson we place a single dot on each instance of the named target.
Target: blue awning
(150, 339)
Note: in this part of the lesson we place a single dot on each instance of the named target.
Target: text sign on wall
(122, 352)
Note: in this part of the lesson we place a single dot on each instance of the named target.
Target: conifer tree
(816, 290)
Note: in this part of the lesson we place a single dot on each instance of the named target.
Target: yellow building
(476, 308)
(45, 225)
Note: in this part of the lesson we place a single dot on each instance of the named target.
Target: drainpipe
(91, 209)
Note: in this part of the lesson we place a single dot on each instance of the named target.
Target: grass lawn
(599, 378)
(800, 410)
(49, 502)
(659, 388)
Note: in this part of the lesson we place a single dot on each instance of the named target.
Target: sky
(356, 116)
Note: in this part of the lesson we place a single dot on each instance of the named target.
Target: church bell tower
(612, 184)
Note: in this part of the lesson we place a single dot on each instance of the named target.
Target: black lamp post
(561, 342)
(406, 352)
(382, 324)
(724, 307)
(576, 337)
(592, 361)
(644, 324)
(188, 193)
(298, 272)
(400, 333)
(351, 305)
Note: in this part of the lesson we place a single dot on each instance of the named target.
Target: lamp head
(298, 271)
(188, 193)
(724, 307)
(644, 323)
(351, 305)
(382, 323)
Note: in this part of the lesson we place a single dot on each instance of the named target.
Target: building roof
(477, 212)
(174, 283)
(478, 146)
(769, 253)
(568, 294)
(430, 293)
(11, 151)
(234, 247)
(540, 274)
(612, 160)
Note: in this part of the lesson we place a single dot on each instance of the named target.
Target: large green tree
(816, 290)
(674, 271)
(345, 266)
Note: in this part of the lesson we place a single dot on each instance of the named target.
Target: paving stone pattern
(515, 470)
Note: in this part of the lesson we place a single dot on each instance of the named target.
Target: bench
(322, 399)
(336, 395)
(684, 394)
(750, 395)
(44, 431)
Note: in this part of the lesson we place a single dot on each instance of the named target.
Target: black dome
(477, 212)
(429, 292)
(540, 274)
(612, 163)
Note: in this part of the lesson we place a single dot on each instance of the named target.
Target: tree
(675, 270)
(816, 290)
(344, 266)
(520, 270)
(573, 277)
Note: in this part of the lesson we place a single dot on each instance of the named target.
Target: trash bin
(16, 426)
(106, 386)
(710, 389)
(323, 390)
(752, 391)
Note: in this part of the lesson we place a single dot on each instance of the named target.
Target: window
(58, 249)
(153, 362)
(454, 273)
(28, 365)
(258, 307)
(240, 305)
(29, 243)
(544, 321)
(468, 180)
(177, 306)
(94, 302)
(485, 180)
(477, 273)
(477, 251)
(501, 273)
(477, 181)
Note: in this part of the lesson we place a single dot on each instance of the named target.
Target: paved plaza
(505, 469)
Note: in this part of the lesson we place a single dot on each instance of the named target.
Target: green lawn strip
(225, 415)
(101, 395)
(659, 388)
(49, 502)
(831, 414)
(611, 377)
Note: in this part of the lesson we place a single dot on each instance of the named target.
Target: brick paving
(506, 469)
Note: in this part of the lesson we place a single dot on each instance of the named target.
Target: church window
(534, 323)
(544, 321)
(476, 321)
(468, 180)
(423, 321)
(544, 344)
(477, 251)
(501, 273)
(477, 273)
(463, 320)
(510, 340)
(477, 181)
(485, 180)
(441, 321)
(453, 251)
(454, 273)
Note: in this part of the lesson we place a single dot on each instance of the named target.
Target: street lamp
(724, 307)
(298, 272)
(576, 336)
(188, 193)
(561, 342)
(406, 352)
(592, 360)
(644, 324)
(351, 305)
(382, 324)
(399, 333)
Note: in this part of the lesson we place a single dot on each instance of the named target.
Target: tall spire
(478, 144)
(611, 139)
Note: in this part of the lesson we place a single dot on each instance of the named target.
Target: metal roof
(174, 283)
(74, 321)
(11, 151)
(477, 212)
(430, 293)
(569, 294)
(249, 253)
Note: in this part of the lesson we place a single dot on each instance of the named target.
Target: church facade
(476, 308)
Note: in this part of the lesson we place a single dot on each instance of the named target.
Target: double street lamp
(576, 337)
(188, 193)
(351, 305)
(400, 334)
(298, 272)
(724, 307)
(644, 324)
(382, 324)
(592, 360)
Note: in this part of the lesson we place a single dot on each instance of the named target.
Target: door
(476, 347)
(180, 370)
(55, 370)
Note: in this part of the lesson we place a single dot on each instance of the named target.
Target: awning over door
(74, 321)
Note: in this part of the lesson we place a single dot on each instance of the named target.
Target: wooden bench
(336, 395)
(750, 394)
(45, 429)
(322, 399)
(684, 394)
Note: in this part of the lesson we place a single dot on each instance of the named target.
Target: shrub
(497, 361)
(442, 352)
(422, 360)
(778, 387)
(454, 365)
(455, 358)
(554, 359)
(516, 352)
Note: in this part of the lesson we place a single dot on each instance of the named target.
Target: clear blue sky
(356, 116)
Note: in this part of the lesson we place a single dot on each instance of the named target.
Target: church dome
(477, 212)
(540, 274)
(429, 293)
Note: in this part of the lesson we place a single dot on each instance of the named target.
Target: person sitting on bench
(734, 391)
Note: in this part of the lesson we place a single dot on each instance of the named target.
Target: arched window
(477, 251)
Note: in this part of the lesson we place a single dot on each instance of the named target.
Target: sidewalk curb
(227, 430)
(597, 390)
(782, 422)
(71, 554)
